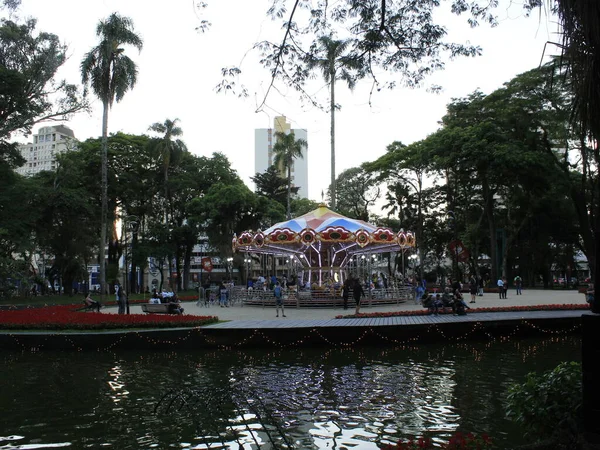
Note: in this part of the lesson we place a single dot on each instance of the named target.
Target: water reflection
(314, 399)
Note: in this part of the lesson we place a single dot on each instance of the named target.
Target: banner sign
(458, 250)
(207, 264)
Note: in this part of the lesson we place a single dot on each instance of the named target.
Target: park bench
(157, 308)
(91, 307)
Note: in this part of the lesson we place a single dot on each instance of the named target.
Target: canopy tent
(323, 241)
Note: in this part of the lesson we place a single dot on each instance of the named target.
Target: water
(321, 399)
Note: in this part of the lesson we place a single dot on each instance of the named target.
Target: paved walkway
(529, 297)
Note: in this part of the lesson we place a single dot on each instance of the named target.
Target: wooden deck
(397, 321)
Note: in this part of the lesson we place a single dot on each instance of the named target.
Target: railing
(311, 298)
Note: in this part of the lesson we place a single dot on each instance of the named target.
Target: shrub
(550, 404)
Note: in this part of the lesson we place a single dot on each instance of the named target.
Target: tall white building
(47, 144)
(264, 140)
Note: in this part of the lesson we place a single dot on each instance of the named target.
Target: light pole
(229, 268)
(413, 258)
(247, 261)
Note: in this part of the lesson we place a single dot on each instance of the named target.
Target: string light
(204, 337)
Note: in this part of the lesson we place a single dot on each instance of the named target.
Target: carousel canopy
(323, 231)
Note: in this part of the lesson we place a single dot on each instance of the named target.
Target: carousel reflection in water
(309, 399)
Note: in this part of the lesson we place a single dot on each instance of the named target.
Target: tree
(29, 92)
(170, 150)
(404, 168)
(272, 185)
(286, 149)
(400, 36)
(328, 56)
(110, 74)
(357, 191)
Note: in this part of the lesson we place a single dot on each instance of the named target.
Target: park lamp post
(230, 268)
(247, 261)
(412, 259)
(363, 265)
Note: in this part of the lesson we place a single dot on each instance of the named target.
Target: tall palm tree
(110, 74)
(334, 65)
(168, 148)
(286, 149)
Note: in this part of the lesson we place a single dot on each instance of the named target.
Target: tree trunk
(104, 208)
(134, 281)
(186, 265)
(289, 190)
(488, 205)
(332, 107)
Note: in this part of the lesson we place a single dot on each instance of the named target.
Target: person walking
(278, 293)
(480, 285)
(504, 286)
(346, 291)
(357, 293)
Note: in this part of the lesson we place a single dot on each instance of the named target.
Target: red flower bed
(425, 311)
(65, 317)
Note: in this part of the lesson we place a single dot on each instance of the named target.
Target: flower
(424, 312)
(67, 317)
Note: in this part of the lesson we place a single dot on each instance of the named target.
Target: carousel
(323, 245)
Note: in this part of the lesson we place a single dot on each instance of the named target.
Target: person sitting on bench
(155, 299)
(175, 305)
(90, 303)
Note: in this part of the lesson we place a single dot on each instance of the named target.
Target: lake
(313, 398)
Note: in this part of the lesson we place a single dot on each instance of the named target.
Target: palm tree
(110, 74)
(169, 149)
(333, 65)
(286, 149)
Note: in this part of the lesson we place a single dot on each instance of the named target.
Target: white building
(264, 140)
(47, 144)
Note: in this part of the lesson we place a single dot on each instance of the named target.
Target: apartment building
(264, 140)
(41, 154)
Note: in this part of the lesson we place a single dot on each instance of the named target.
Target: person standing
(357, 293)
(500, 285)
(120, 297)
(419, 291)
(519, 285)
(223, 295)
(278, 293)
(505, 286)
(473, 289)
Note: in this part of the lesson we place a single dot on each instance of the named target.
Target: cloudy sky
(179, 69)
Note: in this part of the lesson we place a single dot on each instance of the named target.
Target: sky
(179, 69)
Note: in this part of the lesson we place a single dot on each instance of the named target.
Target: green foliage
(108, 70)
(550, 404)
(286, 150)
(357, 190)
(272, 185)
(29, 92)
